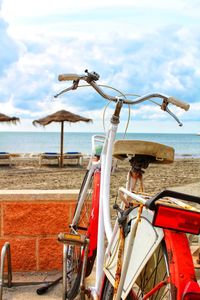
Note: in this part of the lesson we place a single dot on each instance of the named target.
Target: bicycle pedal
(69, 238)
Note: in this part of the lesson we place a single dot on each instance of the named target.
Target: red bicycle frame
(92, 232)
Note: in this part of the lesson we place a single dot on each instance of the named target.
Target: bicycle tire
(108, 291)
(165, 263)
(142, 285)
(85, 225)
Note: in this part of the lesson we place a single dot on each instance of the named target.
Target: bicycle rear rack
(6, 251)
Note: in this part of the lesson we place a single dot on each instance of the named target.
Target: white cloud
(46, 7)
(131, 57)
(6, 57)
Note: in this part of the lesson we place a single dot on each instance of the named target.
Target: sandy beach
(25, 173)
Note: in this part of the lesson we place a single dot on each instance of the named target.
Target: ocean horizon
(38, 142)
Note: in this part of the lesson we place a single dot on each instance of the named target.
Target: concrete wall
(30, 221)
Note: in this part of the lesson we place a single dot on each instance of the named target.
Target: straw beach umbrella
(5, 118)
(61, 117)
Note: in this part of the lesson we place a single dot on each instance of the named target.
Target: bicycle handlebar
(91, 77)
(178, 103)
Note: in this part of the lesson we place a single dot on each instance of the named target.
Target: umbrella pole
(61, 144)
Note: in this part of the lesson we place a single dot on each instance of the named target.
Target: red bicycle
(148, 255)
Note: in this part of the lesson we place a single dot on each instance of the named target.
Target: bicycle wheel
(168, 272)
(155, 271)
(86, 224)
(84, 215)
(108, 292)
(162, 277)
(71, 271)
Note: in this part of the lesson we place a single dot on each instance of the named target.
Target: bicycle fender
(144, 244)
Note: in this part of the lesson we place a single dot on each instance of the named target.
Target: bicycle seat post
(136, 172)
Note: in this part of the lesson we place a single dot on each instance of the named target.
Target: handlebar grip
(68, 77)
(178, 103)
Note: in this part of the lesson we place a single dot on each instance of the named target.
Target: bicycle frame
(152, 237)
(105, 163)
(104, 223)
(92, 166)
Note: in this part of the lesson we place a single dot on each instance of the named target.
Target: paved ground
(192, 188)
(29, 292)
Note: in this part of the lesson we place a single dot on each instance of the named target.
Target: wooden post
(61, 144)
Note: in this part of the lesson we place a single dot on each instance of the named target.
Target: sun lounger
(5, 157)
(48, 156)
(78, 156)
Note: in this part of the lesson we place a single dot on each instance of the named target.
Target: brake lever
(72, 87)
(173, 116)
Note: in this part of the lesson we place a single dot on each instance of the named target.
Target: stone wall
(30, 221)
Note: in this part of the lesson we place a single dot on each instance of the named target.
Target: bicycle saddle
(158, 153)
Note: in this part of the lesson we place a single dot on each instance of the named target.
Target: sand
(26, 174)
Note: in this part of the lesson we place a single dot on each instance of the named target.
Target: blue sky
(136, 46)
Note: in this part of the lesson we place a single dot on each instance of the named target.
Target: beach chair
(78, 156)
(5, 157)
(49, 156)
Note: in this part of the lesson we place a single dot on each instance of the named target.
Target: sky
(136, 46)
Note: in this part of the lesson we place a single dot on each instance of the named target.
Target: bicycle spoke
(86, 210)
(163, 297)
(149, 278)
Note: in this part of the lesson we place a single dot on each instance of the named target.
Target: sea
(185, 145)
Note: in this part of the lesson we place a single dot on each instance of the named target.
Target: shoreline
(185, 156)
(38, 142)
(36, 155)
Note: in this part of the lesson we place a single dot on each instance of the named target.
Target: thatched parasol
(61, 117)
(4, 118)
